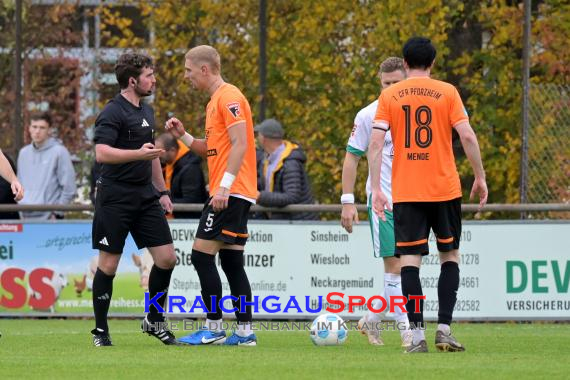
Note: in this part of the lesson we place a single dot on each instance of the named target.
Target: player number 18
(423, 134)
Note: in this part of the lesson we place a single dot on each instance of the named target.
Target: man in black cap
(282, 179)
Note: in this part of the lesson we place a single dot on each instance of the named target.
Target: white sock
(244, 329)
(393, 287)
(214, 324)
(418, 336)
(445, 328)
(372, 317)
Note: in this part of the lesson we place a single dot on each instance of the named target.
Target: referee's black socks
(447, 291)
(232, 264)
(158, 281)
(210, 281)
(102, 293)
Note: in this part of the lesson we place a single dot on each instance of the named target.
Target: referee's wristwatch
(164, 192)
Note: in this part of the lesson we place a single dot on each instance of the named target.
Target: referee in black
(131, 195)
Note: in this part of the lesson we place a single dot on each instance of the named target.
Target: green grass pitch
(62, 349)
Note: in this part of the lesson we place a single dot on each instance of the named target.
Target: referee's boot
(160, 331)
(101, 338)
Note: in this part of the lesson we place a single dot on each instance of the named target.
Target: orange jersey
(421, 113)
(228, 107)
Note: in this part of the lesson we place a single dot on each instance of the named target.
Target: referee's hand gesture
(148, 152)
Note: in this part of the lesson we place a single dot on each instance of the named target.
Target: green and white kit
(382, 232)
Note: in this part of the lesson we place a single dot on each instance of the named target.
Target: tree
(48, 78)
(323, 59)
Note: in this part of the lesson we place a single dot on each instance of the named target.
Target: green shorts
(383, 241)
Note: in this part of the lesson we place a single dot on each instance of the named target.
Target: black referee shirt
(122, 125)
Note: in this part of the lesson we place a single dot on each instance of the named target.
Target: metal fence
(320, 208)
(548, 144)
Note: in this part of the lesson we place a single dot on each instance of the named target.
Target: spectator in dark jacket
(282, 179)
(183, 174)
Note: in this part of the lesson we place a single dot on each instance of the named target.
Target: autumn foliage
(323, 58)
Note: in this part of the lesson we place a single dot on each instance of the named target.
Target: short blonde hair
(205, 54)
(392, 64)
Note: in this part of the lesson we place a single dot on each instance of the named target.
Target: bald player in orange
(229, 147)
(421, 113)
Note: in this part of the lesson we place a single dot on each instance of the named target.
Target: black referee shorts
(121, 208)
(228, 225)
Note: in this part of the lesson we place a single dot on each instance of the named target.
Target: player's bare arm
(176, 128)
(17, 189)
(238, 139)
(379, 199)
(8, 174)
(349, 215)
(471, 148)
(106, 154)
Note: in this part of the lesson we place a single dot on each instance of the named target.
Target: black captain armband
(164, 192)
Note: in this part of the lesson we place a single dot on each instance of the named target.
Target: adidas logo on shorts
(104, 241)
(104, 297)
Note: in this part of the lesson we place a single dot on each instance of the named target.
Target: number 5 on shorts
(210, 219)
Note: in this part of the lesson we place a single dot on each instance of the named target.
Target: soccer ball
(328, 330)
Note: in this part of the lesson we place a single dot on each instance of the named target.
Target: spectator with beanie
(282, 179)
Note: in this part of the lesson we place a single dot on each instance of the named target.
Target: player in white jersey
(391, 71)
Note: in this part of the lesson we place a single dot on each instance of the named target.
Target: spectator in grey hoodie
(45, 170)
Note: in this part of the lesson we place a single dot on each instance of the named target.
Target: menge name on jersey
(418, 156)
